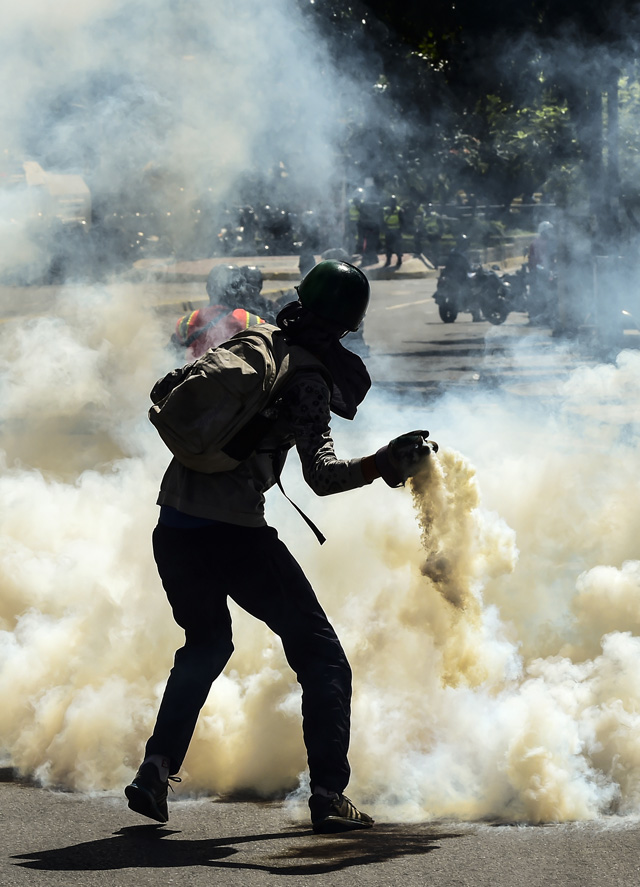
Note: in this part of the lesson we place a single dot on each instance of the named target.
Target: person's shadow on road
(143, 847)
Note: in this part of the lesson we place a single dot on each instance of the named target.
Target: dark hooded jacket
(304, 415)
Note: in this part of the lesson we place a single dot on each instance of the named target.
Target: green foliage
(526, 144)
(629, 138)
(500, 99)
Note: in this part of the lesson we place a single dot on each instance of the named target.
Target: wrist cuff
(387, 472)
(369, 469)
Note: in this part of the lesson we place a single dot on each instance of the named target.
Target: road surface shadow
(145, 847)
(10, 774)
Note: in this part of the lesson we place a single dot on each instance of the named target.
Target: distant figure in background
(310, 231)
(542, 251)
(249, 224)
(434, 229)
(457, 265)
(371, 226)
(276, 230)
(256, 302)
(393, 222)
(307, 262)
(259, 304)
(310, 238)
(419, 231)
(542, 276)
(354, 223)
(204, 328)
(456, 270)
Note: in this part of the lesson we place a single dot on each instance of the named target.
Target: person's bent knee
(206, 658)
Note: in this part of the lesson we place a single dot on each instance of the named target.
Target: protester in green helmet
(210, 523)
(337, 292)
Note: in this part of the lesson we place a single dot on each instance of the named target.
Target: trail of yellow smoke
(446, 499)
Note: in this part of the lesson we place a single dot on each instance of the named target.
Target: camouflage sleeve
(306, 409)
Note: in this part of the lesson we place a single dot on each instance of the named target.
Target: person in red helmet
(218, 518)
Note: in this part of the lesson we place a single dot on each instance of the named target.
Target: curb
(284, 268)
(281, 268)
(166, 276)
(163, 271)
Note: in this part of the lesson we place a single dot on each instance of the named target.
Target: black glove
(404, 456)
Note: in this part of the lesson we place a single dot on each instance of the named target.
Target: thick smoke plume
(167, 106)
(490, 610)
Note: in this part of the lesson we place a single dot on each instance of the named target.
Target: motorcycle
(482, 292)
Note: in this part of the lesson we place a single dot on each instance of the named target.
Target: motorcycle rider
(456, 271)
(457, 265)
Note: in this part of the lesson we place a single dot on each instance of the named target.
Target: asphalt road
(56, 838)
(49, 838)
(410, 347)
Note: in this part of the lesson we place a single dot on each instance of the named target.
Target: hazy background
(490, 614)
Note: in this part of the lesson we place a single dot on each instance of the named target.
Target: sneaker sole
(141, 801)
(335, 824)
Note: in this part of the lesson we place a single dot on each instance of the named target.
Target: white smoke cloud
(206, 91)
(490, 619)
(166, 108)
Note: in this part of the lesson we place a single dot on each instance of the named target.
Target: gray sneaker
(336, 814)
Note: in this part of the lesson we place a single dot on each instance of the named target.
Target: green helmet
(336, 291)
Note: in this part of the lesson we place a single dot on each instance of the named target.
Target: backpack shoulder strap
(288, 359)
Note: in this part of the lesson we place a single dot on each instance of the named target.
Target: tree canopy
(503, 98)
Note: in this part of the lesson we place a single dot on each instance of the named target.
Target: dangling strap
(277, 472)
(321, 539)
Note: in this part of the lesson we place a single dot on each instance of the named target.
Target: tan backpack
(213, 413)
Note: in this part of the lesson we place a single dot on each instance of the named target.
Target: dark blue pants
(199, 568)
